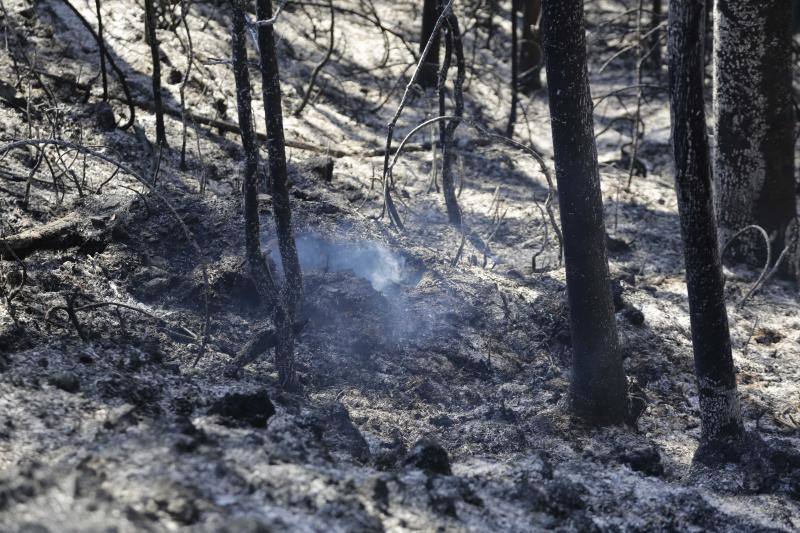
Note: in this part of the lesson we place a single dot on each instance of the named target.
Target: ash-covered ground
(433, 391)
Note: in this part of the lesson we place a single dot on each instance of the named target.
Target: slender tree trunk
(755, 124)
(276, 147)
(455, 45)
(150, 27)
(512, 117)
(599, 388)
(427, 74)
(654, 45)
(257, 265)
(795, 16)
(101, 45)
(492, 8)
(720, 415)
(530, 60)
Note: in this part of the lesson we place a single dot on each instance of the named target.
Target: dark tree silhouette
(453, 45)
(101, 45)
(530, 58)
(755, 124)
(722, 429)
(259, 270)
(655, 60)
(512, 116)
(599, 392)
(152, 40)
(276, 147)
(120, 74)
(427, 74)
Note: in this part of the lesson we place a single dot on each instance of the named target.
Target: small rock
(104, 117)
(429, 456)
(28, 12)
(183, 510)
(252, 409)
(66, 381)
(389, 455)
(646, 460)
(342, 435)
(441, 421)
(617, 246)
(118, 415)
(175, 76)
(320, 168)
(634, 316)
(767, 336)
(562, 496)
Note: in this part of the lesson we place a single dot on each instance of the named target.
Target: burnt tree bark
(453, 44)
(755, 125)
(427, 74)
(152, 40)
(599, 387)
(101, 45)
(281, 209)
(512, 117)
(722, 430)
(257, 265)
(530, 58)
(654, 46)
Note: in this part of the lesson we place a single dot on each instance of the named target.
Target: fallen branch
(58, 234)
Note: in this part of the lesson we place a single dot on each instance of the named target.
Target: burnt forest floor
(433, 391)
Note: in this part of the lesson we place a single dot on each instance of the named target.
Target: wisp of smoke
(369, 260)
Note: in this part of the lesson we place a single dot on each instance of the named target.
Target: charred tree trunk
(453, 44)
(599, 388)
(427, 73)
(755, 123)
(101, 45)
(257, 265)
(281, 209)
(530, 59)
(152, 39)
(654, 46)
(722, 429)
(512, 117)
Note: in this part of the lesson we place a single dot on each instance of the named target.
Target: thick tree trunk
(755, 123)
(530, 60)
(276, 147)
(722, 429)
(428, 70)
(152, 39)
(599, 391)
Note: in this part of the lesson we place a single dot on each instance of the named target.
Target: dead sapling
(512, 117)
(388, 203)
(283, 300)
(319, 66)
(105, 53)
(152, 40)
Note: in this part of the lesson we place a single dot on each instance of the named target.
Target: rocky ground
(434, 389)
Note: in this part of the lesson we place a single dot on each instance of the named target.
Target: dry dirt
(434, 394)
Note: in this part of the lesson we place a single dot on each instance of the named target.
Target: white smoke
(369, 260)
